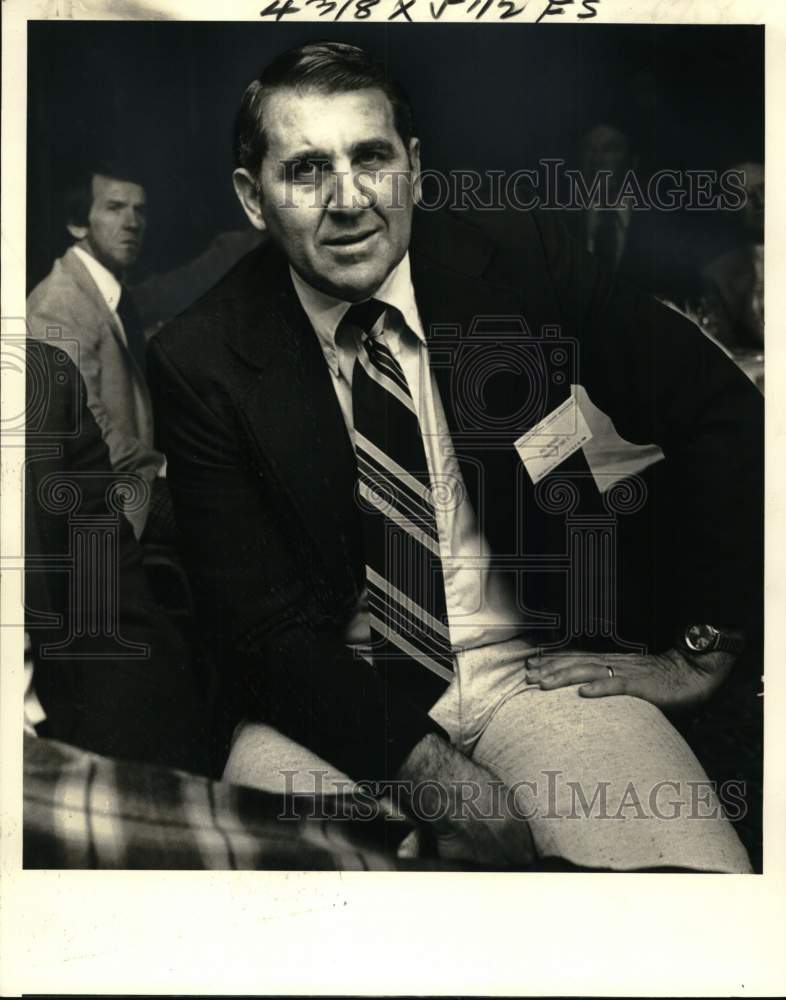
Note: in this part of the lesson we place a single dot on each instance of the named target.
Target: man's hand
(670, 680)
(471, 820)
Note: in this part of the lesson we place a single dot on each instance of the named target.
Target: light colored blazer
(67, 310)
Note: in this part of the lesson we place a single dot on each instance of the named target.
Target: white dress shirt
(108, 285)
(480, 601)
(622, 216)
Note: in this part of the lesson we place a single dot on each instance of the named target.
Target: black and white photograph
(384, 482)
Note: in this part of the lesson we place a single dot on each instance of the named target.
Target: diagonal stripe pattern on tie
(407, 609)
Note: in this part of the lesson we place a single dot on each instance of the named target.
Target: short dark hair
(78, 197)
(325, 67)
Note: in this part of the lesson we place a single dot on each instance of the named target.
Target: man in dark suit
(106, 671)
(375, 455)
(644, 245)
(83, 305)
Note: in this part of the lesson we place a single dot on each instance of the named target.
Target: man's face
(115, 224)
(336, 188)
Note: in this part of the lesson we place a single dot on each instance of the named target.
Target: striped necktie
(406, 590)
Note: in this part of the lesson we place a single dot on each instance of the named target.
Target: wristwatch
(707, 639)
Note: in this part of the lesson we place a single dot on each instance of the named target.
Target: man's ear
(414, 164)
(249, 196)
(78, 232)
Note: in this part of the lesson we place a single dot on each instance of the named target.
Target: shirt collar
(326, 312)
(622, 214)
(108, 285)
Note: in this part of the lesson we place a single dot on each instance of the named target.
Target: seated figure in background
(84, 307)
(734, 280)
(105, 670)
(636, 243)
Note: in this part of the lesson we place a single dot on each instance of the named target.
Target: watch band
(700, 639)
(729, 643)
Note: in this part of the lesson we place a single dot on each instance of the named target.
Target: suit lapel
(83, 279)
(293, 416)
(80, 275)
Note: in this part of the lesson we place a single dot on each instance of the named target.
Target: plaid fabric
(86, 811)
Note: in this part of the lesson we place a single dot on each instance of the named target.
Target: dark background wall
(165, 93)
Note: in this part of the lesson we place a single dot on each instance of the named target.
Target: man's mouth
(350, 240)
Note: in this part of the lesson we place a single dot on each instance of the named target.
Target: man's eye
(307, 170)
(372, 159)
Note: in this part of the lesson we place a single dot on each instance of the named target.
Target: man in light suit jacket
(83, 307)
(376, 464)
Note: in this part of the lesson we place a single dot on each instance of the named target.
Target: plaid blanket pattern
(86, 811)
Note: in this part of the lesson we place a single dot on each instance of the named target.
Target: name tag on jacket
(547, 444)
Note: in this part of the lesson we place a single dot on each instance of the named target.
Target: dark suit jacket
(262, 470)
(110, 672)
(658, 255)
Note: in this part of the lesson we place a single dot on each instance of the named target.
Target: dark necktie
(605, 247)
(134, 330)
(407, 609)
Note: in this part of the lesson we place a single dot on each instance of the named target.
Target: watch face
(700, 638)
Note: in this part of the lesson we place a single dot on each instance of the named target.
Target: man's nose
(131, 220)
(343, 195)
